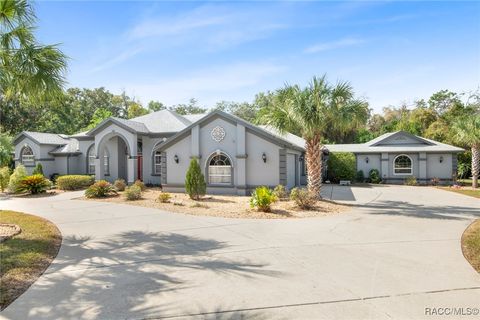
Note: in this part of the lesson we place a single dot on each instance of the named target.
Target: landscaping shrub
(34, 184)
(38, 169)
(360, 176)
(303, 198)
(435, 181)
(341, 166)
(164, 197)
(262, 198)
(4, 178)
(100, 189)
(280, 191)
(134, 192)
(74, 182)
(195, 185)
(374, 176)
(120, 184)
(140, 184)
(411, 181)
(16, 178)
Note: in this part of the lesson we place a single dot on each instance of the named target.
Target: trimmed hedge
(74, 182)
(341, 166)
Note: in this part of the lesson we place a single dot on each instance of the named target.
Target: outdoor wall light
(175, 158)
(264, 157)
(366, 159)
(301, 158)
(441, 159)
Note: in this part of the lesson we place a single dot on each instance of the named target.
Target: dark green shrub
(120, 185)
(134, 192)
(100, 189)
(360, 176)
(34, 184)
(195, 185)
(374, 176)
(74, 182)
(303, 198)
(341, 166)
(262, 199)
(38, 169)
(280, 191)
(140, 184)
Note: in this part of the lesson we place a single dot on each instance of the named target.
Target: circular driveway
(395, 254)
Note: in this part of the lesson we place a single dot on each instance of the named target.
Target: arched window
(157, 162)
(91, 160)
(220, 169)
(27, 157)
(402, 165)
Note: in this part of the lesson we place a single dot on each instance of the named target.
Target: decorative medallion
(218, 133)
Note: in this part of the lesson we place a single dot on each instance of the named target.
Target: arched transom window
(27, 157)
(220, 169)
(157, 162)
(402, 165)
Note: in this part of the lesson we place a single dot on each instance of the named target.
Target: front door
(140, 167)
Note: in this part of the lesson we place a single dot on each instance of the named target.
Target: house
(399, 155)
(234, 155)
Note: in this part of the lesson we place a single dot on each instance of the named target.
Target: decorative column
(422, 167)
(241, 173)
(384, 174)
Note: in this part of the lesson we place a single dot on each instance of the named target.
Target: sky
(391, 52)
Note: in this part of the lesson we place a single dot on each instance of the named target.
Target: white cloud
(342, 43)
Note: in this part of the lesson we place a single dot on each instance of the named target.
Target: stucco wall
(258, 172)
(176, 171)
(373, 163)
(437, 169)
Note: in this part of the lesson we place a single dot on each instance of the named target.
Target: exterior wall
(176, 171)
(258, 172)
(400, 178)
(374, 162)
(437, 169)
(149, 175)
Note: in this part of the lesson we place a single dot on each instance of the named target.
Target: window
(157, 162)
(27, 157)
(106, 162)
(220, 170)
(91, 161)
(402, 165)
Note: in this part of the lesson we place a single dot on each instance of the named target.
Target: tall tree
(27, 68)
(154, 106)
(191, 108)
(467, 131)
(313, 111)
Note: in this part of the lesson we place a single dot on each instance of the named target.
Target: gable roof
(43, 138)
(129, 125)
(217, 113)
(163, 121)
(387, 136)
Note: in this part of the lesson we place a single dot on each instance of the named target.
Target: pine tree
(38, 169)
(195, 181)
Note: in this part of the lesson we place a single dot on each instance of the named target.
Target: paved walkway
(394, 254)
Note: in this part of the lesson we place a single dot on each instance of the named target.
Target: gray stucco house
(235, 156)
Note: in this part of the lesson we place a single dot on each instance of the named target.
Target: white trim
(28, 160)
(207, 171)
(411, 166)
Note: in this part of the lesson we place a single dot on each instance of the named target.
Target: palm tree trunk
(313, 155)
(475, 164)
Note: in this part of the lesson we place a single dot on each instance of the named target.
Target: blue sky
(391, 52)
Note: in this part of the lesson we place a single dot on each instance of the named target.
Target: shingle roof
(135, 125)
(72, 147)
(44, 138)
(163, 121)
(290, 137)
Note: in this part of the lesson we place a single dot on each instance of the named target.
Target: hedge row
(74, 182)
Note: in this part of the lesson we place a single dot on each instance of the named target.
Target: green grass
(465, 182)
(471, 244)
(467, 192)
(25, 257)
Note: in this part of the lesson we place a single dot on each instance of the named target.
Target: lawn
(468, 191)
(471, 244)
(25, 257)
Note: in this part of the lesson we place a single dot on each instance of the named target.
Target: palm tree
(467, 132)
(314, 111)
(27, 68)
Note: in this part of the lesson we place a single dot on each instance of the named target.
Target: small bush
(435, 181)
(74, 182)
(14, 184)
(262, 199)
(341, 166)
(280, 191)
(164, 197)
(134, 192)
(140, 184)
(120, 185)
(4, 178)
(34, 184)
(38, 169)
(411, 181)
(303, 198)
(374, 176)
(100, 189)
(195, 185)
(360, 176)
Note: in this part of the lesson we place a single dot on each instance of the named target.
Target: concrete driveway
(395, 255)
